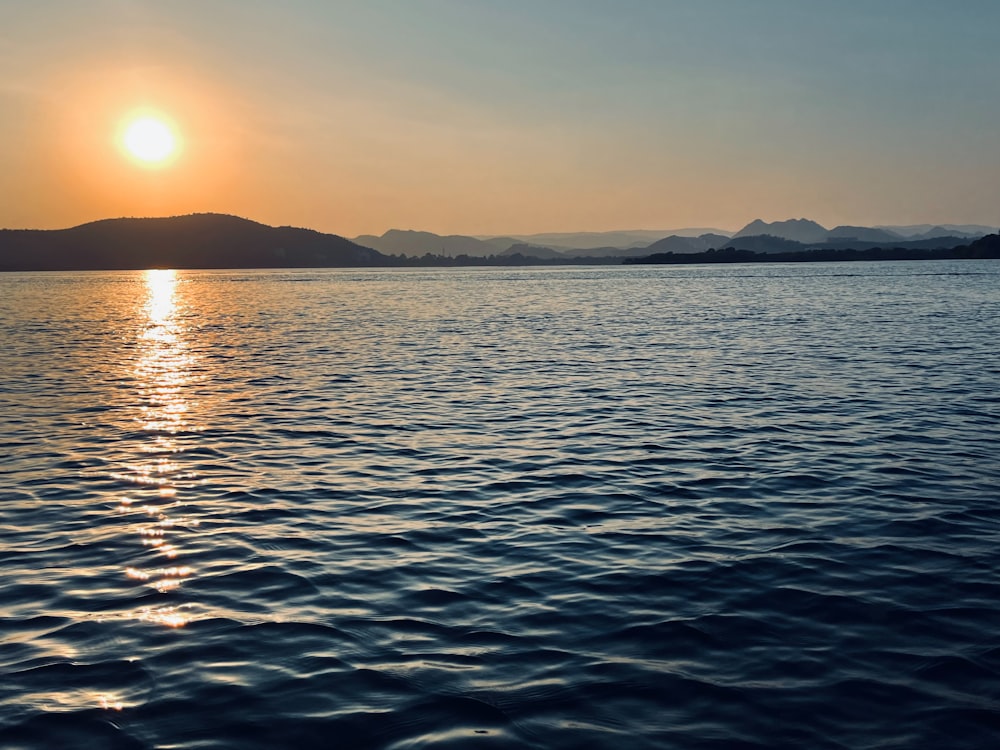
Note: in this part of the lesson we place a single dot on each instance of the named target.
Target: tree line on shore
(985, 247)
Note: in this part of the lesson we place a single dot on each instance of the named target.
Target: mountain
(810, 233)
(925, 230)
(532, 251)
(863, 234)
(223, 241)
(678, 244)
(193, 241)
(768, 244)
(629, 243)
(799, 230)
(501, 243)
(623, 239)
(944, 231)
(987, 246)
(569, 244)
(410, 242)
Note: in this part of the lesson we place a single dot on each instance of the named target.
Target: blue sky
(477, 117)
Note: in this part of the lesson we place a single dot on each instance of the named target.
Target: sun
(150, 140)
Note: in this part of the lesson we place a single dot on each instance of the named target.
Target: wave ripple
(691, 507)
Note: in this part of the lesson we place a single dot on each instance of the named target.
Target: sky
(485, 117)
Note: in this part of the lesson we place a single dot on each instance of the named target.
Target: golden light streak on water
(163, 373)
(162, 286)
(110, 703)
(169, 616)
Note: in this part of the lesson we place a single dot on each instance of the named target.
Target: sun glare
(149, 140)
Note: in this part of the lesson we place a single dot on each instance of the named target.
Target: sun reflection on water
(165, 368)
(110, 702)
(163, 372)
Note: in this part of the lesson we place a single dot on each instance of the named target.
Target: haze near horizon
(476, 118)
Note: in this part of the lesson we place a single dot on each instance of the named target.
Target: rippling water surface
(698, 507)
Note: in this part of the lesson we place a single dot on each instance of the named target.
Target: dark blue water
(699, 507)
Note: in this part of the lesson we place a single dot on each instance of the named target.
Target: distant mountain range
(634, 243)
(808, 232)
(567, 244)
(924, 231)
(409, 242)
(222, 241)
(624, 239)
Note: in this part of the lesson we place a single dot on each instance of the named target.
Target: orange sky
(453, 117)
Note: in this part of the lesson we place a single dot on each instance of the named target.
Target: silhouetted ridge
(412, 242)
(863, 234)
(984, 247)
(761, 249)
(531, 251)
(677, 244)
(799, 230)
(552, 245)
(192, 241)
(224, 241)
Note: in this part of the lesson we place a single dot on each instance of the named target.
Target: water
(670, 507)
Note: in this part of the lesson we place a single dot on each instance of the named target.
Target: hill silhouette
(224, 241)
(678, 244)
(565, 244)
(411, 242)
(867, 234)
(757, 236)
(192, 241)
(795, 252)
(928, 231)
(620, 239)
(799, 230)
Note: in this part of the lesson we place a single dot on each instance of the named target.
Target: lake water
(747, 506)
